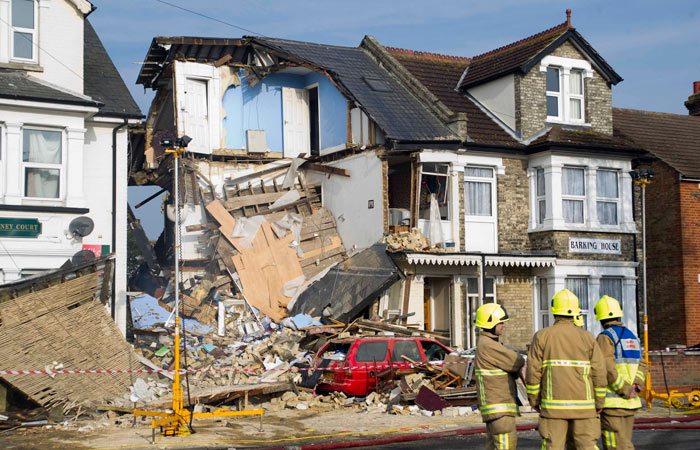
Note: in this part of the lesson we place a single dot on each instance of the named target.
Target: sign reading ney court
(19, 228)
(586, 245)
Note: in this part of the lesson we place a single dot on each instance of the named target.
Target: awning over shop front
(474, 259)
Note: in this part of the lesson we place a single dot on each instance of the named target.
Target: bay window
(608, 196)
(23, 29)
(579, 286)
(573, 189)
(541, 197)
(42, 163)
(543, 303)
(611, 286)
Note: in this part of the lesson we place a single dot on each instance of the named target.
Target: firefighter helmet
(565, 303)
(607, 308)
(578, 320)
(489, 315)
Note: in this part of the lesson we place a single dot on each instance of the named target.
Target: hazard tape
(52, 372)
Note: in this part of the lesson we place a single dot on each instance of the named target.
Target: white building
(64, 113)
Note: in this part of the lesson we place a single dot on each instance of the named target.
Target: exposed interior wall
(259, 107)
(438, 298)
(499, 97)
(355, 201)
(400, 185)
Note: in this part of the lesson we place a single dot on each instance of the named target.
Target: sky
(652, 44)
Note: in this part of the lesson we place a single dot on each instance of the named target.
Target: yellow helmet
(578, 320)
(489, 315)
(607, 308)
(565, 303)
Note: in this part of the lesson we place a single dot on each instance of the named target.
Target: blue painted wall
(260, 108)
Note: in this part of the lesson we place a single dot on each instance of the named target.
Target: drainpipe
(115, 130)
(483, 279)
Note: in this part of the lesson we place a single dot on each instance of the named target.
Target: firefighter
(496, 369)
(565, 378)
(625, 374)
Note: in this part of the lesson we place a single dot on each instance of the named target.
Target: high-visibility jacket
(496, 368)
(622, 352)
(565, 372)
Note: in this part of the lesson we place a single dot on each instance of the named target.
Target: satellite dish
(81, 226)
(82, 257)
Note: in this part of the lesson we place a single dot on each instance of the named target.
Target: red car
(356, 366)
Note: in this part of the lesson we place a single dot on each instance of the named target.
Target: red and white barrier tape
(52, 372)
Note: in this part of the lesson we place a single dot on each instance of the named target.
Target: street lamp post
(642, 177)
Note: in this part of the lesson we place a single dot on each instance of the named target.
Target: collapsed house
(492, 178)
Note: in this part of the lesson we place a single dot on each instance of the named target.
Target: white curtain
(576, 89)
(573, 183)
(612, 287)
(579, 286)
(435, 224)
(43, 147)
(478, 198)
(607, 187)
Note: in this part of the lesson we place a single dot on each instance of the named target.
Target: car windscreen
(405, 348)
(433, 351)
(372, 351)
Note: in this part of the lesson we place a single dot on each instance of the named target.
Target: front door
(295, 114)
(196, 115)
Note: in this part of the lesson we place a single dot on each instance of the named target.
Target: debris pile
(413, 241)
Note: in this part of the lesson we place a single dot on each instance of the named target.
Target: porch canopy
(482, 259)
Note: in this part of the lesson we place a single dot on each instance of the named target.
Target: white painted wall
(347, 198)
(98, 197)
(60, 39)
(499, 97)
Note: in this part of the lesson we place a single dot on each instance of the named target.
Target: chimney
(568, 18)
(693, 103)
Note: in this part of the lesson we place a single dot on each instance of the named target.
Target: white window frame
(32, 165)
(33, 31)
(584, 312)
(486, 180)
(540, 197)
(615, 200)
(572, 197)
(448, 189)
(565, 66)
(542, 313)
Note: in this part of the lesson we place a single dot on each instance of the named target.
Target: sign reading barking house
(585, 245)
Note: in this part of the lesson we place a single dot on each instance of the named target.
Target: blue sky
(653, 45)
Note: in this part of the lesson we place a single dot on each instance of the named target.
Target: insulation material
(435, 226)
(64, 325)
(291, 175)
(246, 229)
(292, 287)
(290, 222)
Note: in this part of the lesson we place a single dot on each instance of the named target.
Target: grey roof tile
(18, 85)
(102, 80)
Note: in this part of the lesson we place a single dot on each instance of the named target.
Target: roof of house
(17, 85)
(673, 138)
(399, 113)
(102, 81)
(440, 75)
(522, 55)
(565, 136)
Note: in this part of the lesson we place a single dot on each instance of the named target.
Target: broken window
(435, 181)
(408, 349)
(372, 351)
(433, 351)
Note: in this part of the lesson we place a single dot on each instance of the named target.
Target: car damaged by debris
(359, 366)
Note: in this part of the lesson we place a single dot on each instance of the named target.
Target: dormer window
(23, 30)
(565, 89)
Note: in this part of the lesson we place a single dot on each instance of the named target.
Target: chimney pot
(696, 87)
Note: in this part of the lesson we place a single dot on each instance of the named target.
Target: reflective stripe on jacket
(565, 372)
(621, 350)
(496, 368)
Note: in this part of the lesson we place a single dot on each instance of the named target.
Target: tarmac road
(643, 440)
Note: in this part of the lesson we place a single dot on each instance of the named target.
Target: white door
(480, 221)
(295, 113)
(196, 115)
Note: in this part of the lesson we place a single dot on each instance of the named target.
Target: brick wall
(664, 260)
(513, 199)
(515, 294)
(682, 370)
(531, 108)
(558, 241)
(690, 226)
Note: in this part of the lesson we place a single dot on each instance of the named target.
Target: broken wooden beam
(316, 167)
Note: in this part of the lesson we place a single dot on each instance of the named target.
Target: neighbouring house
(672, 218)
(506, 162)
(64, 114)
